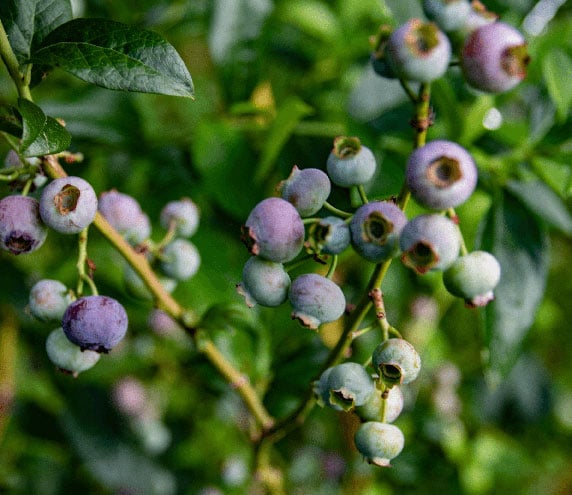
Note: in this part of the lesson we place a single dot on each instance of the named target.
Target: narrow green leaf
(521, 245)
(27, 22)
(41, 135)
(290, 113)
(116, 56)
(557, 67)
(543, 202)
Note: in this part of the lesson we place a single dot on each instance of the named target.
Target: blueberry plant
(208, 280)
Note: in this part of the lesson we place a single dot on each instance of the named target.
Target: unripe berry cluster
(95, 324)
(281, 232)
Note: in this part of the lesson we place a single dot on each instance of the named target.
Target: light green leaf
(557, 67)
(116, 56)
(290, 113)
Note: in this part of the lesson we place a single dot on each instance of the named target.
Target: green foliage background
(275, 82)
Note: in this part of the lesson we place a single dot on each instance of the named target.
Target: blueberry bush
(285, 247)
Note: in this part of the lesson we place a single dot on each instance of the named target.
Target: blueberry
(125, 215)
(161, 323)
(180, 259)
(307, 189)
(97, 323)
(429, 242)
(379, 442)
(494, 58)
(375, 229)
(345, 386)
(49, 300)
(473, 277)
(418, 51)
(373, 407)
(441, 175)
(68, 205)
(21, 227)
(274, 230)
(315, 300)
(184, 213)
(350, 163)
(449, 15)
(68, 357)
(396, 361)
(330, 235)
(264, 282)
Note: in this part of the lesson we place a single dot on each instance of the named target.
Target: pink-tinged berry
(21, 228)
(274, 230)
(495, 58)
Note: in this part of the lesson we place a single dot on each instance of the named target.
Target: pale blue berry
(264, 282)
(350, 163)
(379, 442)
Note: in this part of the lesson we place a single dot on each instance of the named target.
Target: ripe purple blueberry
(125, 215)
(264, 282)
(307, 189)
(97, 323)
(375, 229)
(345, 386)
(418, 51)
(315, 300)
(449, 15)
(274, 230)
(330, 235)
(494, 58)
(473, 277)
(379, 442)
(396, 361)
(68, 357)
(21, 227)
(68, 205)
(429, 242)
(441, 175)
(184, 214)
(180, 259)
(49, 300)
(350, 163)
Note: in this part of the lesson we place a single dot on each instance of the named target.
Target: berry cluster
(94, 324)
(440, 176)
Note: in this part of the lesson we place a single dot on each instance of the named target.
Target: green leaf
(521, 245)
(41, 135)
(27, 22)
(557, 67)
(116, 56)
(543, 202)
(290, 113)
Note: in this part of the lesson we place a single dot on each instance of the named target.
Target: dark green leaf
(521, 245)
(27, 22)
(116, 56)
(41, 135)
(543, 202)
(557, 67)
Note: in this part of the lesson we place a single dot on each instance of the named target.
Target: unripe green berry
(67, 356)
(396, 361)
(379, 442)
(345, 386)
(473, 277)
